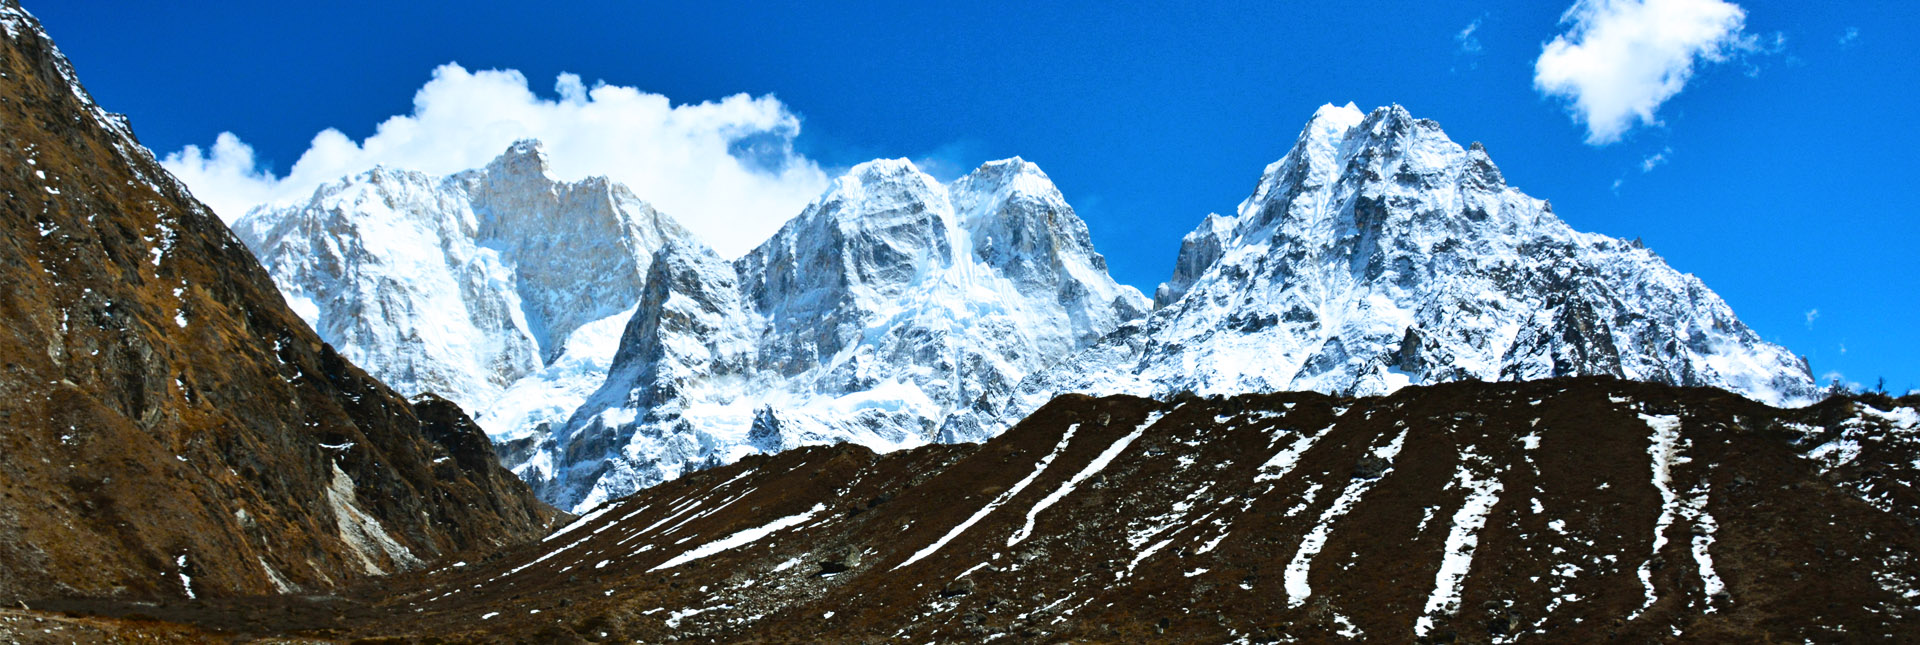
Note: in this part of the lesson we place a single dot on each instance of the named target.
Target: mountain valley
(1391, 398)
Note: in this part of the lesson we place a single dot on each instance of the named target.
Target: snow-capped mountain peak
(1378, 253)
(523, 158)
(471, 284)
(889, 303)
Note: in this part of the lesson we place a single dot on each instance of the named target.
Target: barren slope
(168, 428)
(1582, 510)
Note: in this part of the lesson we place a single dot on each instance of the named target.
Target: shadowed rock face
(1565, 511)
(168, 428)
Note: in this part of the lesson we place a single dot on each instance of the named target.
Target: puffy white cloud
(726, 169)
(1621, 59)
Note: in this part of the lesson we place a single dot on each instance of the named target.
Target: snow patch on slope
(366, 538)
(1298, 589)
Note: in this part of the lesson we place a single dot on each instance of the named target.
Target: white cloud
(1849, 36)
(725, 169)
(1621, 59)
(1812, 315)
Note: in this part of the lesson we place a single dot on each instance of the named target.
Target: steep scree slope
(168, 427)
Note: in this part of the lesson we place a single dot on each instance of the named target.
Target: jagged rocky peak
(887, 304)
(501, 288)
(1198, 251)
(865, 238)
(1377, 254)
(523, 158)
(1022, 226)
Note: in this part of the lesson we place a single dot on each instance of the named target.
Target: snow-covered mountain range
(606, 350)
(1378, 254)
(888, 304)
(500, 288)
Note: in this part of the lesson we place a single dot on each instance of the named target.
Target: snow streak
(1297, 570)
(1665, 451)
(1482, 495)
(1002, 499)
(1093, 468)
(1284, 461)
(1696, 511)
(739, 539)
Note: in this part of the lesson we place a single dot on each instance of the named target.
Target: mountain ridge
(894, 310)
(169, 428)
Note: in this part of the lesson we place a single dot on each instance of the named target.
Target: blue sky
(1780, 175)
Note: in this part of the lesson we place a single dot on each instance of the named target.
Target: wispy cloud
(725, 169)
(1849, 37)
(1467, 47)
(1812, 315)
(1620, 60)
(1655, 160)
(1469, 44)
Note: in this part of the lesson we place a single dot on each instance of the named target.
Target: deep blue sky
(1787, 187)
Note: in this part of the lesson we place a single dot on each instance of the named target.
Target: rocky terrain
(169, 428)
(1556, 511)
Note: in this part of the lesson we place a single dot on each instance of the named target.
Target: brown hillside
(166, 423)
(1778, 526)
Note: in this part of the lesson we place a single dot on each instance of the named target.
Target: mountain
(883, 307)
(169, 428)
(1565, 510)
(501, 288)
(1378, 254)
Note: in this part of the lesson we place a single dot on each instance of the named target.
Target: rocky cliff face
(889, 303)
(1377, 254)
(500, 288)
(168, 426)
